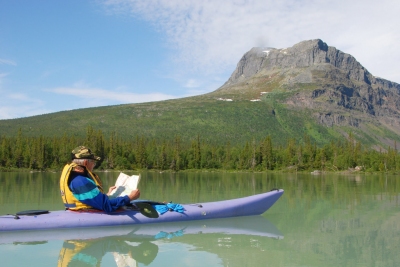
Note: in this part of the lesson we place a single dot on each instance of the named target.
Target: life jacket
(71, 202)
(72, 251)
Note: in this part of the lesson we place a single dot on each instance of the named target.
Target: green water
(328, 220)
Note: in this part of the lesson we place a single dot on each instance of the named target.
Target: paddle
(146, 209)
(28, 213)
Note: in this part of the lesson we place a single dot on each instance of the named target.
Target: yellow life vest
(70, 250)
(71, 202)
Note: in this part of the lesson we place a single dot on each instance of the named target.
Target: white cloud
(211, 36)
(20, 97)
(17, 105)
(192, 83)
(96, 94)
(7, 62)
(2, 76)
(12, 112)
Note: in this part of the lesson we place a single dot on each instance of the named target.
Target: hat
(82, 152)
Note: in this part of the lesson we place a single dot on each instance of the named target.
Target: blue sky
(60, 55)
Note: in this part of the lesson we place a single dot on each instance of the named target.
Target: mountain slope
(214, 121)
(308, 89)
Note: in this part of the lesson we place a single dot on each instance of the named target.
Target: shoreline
(291, 171)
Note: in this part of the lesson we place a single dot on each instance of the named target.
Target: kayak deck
(246, 206)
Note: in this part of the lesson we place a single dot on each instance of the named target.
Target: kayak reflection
(131, 245)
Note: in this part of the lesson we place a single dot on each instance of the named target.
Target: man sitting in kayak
(81, 189)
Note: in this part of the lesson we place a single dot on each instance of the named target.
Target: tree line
(140, 152)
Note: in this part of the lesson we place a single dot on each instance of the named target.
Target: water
(328, 220)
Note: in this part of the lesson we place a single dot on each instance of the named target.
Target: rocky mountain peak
(310, 53)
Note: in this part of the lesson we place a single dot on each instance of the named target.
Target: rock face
(343, 91)
(305, 54)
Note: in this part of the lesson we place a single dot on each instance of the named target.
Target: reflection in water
(328, 220)
(91, 252)
(134, 245)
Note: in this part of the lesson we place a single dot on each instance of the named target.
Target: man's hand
(111, 189)
(135, 194)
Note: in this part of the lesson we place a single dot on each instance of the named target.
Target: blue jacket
(86, 191)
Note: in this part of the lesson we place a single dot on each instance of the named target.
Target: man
(81, 189)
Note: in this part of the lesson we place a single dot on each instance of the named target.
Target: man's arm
(86, 191)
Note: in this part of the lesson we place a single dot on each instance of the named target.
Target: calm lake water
(324, 220)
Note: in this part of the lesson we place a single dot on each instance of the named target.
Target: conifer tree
(112, 151)
(267, 156)
(176, 161)
(141, 154)
(195, 161)
(19, 150)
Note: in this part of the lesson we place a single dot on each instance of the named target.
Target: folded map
(124, 185)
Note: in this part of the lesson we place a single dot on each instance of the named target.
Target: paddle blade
(147, 210)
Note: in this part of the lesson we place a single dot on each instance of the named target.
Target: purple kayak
(246, 206)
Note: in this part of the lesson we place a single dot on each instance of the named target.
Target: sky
(58, 55)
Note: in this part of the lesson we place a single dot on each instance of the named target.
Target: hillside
(308, 89)
(213, 120)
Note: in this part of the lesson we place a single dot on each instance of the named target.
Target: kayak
(246, 206)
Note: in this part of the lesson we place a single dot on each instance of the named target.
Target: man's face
(90, 164)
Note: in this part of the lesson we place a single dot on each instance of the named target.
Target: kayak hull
(247, 206)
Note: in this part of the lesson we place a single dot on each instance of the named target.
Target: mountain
(308, 89)
(331, 86)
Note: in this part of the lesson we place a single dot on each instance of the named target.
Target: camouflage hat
(82, 152)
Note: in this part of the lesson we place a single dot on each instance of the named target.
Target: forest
(52, 153)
